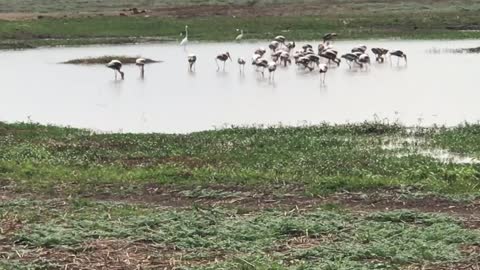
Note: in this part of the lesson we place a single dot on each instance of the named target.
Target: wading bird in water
(241, 63)
(116, 65)
(272, 66)
(192, 59)
(184, 41)
(323, 72)
(329, 37)
(379, 54)
(398, 54)
(140, 62)
(222, 57)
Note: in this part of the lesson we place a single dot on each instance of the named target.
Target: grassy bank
(363, 196)
(82, 234)
(323, 158)
(104, 29)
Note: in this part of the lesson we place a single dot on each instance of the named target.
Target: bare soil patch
(104, 254)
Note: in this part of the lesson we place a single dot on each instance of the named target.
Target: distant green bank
(120, 30)
(322, 159)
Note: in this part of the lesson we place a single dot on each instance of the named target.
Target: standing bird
(307, 47)
(261, 63)
(222, 57)
(116, 66)
(274, 45)
(272, 66)
(350, 58)
(399, 54)
(192, 59)
(364, 60)
(280, 39)
(361, 48)
(140, 62)
(184, 41)
(329, 37)
(241, 63)
(239, 37)
(323, 70)
(379, 54)
(331, 55)
(285, 58)
(290, 45)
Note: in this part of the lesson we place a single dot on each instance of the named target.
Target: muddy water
(433, 88)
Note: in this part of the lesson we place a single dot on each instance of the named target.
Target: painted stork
(314, 59)
(272, 66)
(276, 55)
(192, 59)
(379, 54)
(307, 47)
(261, 63)
(285, 58)
(274, 45)
(140, 62)
(260, 51)
(116, 65)
(399, 54)
(329, 37)
(361, 48)
(364, 60)
(305, 62)
(323, 71)
(350, 58)
(331, 55)
(184, 41)
(222, 57)
(280, 39)
(241, 62)
(290, 45)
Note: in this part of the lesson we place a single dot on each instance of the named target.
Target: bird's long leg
(115, 72)
(224, 65)
(398, 61)
(218, 67)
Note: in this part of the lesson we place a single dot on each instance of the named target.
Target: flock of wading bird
(281, 54)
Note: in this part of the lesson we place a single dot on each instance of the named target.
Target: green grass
(80, 168)
(322, 158)
(319, 239)
(78, 31)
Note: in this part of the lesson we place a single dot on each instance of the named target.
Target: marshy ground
(366, 196)
(26, 24)
(356, 196)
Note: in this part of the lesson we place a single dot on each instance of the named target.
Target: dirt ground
(324, 8)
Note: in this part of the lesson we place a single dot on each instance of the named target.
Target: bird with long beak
(241, 62)
(323, 72)
(192, 59)
(398, 54)
(240, 36)
(222, 57)
(140, 62)
(116, 65)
